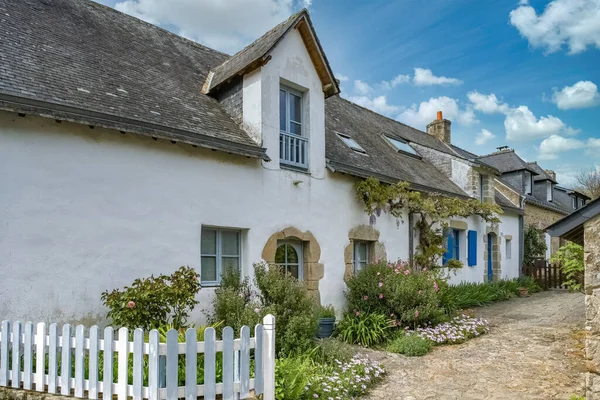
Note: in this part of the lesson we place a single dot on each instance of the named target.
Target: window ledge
(295, 169)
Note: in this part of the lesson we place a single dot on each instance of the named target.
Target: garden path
(533, 351)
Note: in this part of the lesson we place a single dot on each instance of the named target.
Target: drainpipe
(521, 244)
(411, 232)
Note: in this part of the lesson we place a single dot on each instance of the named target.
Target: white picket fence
(21, 347)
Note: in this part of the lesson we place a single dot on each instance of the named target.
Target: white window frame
(299, 248)
(288, 107)
(357, 261)
(410, 151)
(219, 253)
(350, 142)
(574, 202)
(508, 249)
(549, 195)
(528, 182)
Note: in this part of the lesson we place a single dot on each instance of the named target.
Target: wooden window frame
(219, 253)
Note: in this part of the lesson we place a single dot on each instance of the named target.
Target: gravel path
(534, 351)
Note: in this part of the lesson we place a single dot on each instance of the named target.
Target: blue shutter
(449, 247)
(472, 248)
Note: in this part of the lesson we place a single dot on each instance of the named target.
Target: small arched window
(289, 258)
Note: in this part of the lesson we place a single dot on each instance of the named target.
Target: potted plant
(326, 316)
(523, 292)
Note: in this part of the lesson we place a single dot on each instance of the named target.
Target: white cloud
(424, 77)
(581, 95)
(387, 85)
(224, 25)
(483, 137)
(571, 23)
(378, 104)
(426, 112)
(342, 78)
(520, 124)
(487, 104)
(362, 88)
(552, 146)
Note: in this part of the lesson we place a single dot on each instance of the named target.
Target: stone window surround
(363, 233)
(313, 270)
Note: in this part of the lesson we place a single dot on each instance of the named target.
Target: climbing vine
(432, 209)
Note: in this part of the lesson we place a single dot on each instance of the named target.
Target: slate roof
(572, 227)
(85, 62)
(505, 203)
(506, 161)
(381, 160)
(542, 174)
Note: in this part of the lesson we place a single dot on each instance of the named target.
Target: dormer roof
(507, 160)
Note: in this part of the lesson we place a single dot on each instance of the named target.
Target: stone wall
(509, 193)
(540, 218)
(592, 304)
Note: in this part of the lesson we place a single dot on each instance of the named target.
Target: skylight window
(351, 143)
(402, 146)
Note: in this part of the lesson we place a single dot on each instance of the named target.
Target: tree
(588, 181)
(535, 246)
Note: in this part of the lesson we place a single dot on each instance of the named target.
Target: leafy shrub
(155, 301)
(331, 350)
(410, 344)
(392, 289)
(364, 329)
(281, 295)
(534, 245)
(529, 283)
(570, 258)
(292, 375)
(326, 312)
(454, 264)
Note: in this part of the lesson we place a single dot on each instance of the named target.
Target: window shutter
(472, 239)
(449, 246)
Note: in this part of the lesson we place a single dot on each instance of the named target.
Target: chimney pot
(439, 116)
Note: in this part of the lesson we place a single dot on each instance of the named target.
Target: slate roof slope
(506, 161)
(542, 174)
(85, 62)
(381, 160)
(505, 203)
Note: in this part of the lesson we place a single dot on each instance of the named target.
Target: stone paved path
(534, 351)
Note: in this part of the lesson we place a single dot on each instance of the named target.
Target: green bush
(292, 375)
(155, 301)
(364, 329)
(326, 311)
(534, 245)
(392, 289)
(410, 345)
(330, 350)
(570, 258)
(529, 283)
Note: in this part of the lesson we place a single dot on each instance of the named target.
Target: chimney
(551, 173)
(440, 128)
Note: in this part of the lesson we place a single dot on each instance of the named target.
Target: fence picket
(191, 364)
(16, 356)
(28, 356)
(4, 335)
(123, 350)
(65, 360)
(269, 357)
(172, 366)
(210, 388)
(245, 362)
(93, 363)
(153, 357)
(138, 363)
(52, 358)
(108, 340)
(40, 356)
(79, 354)
(258, 364)
(228, 363)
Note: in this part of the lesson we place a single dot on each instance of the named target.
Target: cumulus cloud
(570, 23)
(521, 124)
(342, 78)
(555, 144)
(226, 26)
(487, 104)
(362, 88)
(483, 137)
(387, 85)
(581, 95)
(424, 77)
(378, 104)
(421, 115)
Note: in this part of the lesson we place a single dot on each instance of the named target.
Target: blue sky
(521, 74)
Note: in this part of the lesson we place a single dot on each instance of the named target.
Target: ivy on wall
(433, 209)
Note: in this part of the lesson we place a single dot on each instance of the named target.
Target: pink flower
(416, 313)
(131, 304)
(392, 315)
(366, 298)
(406, 328)
(406, 272)
(257, 310)
(380, 284)
(358, 313)
(435, 286)
(380, 296)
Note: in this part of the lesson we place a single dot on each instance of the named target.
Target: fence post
(269, 356)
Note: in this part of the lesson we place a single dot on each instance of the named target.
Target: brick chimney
(551, 173)
(440, 128)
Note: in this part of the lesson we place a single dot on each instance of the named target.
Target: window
(574, 202)
(401, 145)
(481, 187)
(508, 249)
(288, 257)
(548, 190)
(528, 182)
(582, 202)
(361, 255)
(220, 249)
(351, 143)
(452, 246)
(293, 147)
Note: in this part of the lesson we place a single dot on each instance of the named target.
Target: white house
(126, 150)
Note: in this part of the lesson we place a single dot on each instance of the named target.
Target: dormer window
(293, 145)
(351, 143)
(549, 191)
(528, 182)
(574, 198)
(401, 145)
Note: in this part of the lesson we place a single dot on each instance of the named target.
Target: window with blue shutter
(472, 243)
(452, 246)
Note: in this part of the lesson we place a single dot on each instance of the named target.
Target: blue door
(489, 260)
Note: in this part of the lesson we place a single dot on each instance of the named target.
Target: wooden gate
(548, 276)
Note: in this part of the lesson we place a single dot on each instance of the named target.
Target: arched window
(289, 258)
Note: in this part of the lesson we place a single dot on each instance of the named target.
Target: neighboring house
(129, 151)
(543, 200)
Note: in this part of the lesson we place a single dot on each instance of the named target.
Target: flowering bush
(408, 297)
(458, 330)
(345, 380)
